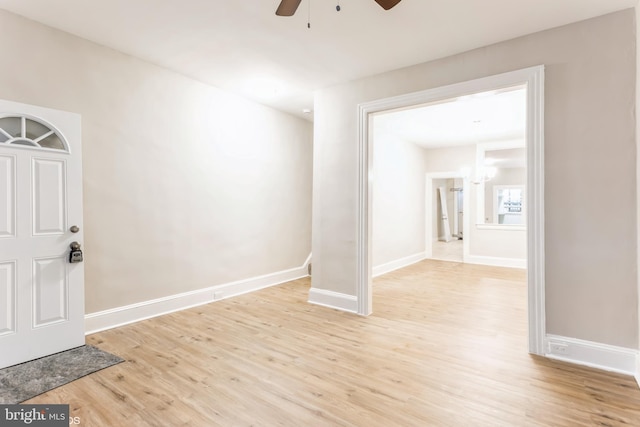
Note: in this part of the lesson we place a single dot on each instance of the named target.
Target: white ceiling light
(486, 174)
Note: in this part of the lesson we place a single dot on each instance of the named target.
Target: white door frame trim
(533, 77)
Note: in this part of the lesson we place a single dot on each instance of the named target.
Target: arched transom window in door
(27, 131)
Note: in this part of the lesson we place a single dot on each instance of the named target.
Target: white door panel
(7, 297)
(446, 228)
(49, 194)
(7, 196)
(40, 199)
(50, 291)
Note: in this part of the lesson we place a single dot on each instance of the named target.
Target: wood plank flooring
(446, 346)
(447, 251)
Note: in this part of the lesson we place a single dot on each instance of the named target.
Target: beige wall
(590, 158)
(637, 117)
(398, 199)
(202, 187)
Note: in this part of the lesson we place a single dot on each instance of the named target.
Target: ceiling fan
(288, 7)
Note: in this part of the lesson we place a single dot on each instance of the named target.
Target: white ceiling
(481, 117)
(242, 46)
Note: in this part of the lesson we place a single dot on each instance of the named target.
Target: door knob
(74, 229)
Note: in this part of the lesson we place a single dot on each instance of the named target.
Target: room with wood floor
(191, 229)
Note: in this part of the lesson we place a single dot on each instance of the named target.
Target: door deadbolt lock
(76, 253)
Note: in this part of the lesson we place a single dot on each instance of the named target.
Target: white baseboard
(496, 261)
(596, 355)
(637, 375)
(397, 264)
(107, 319)
(333, 299)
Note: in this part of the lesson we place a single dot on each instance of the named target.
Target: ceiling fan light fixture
(288, 7)
(387, 4)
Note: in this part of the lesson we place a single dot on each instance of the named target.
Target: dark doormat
(26, 380)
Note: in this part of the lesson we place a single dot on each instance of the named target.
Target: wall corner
(637, 137)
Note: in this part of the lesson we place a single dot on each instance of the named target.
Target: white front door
(41, 292)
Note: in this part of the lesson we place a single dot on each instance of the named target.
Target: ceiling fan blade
(387, 4)
(288, 7)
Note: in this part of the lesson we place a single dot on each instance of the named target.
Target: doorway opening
(445, 226)
(531, 79)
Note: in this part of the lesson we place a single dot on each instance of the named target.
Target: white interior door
(456, 225)
(446, 228)
(41, 292)
(460, 208)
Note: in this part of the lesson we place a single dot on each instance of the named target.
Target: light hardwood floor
(446, 346)
(447, 251)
